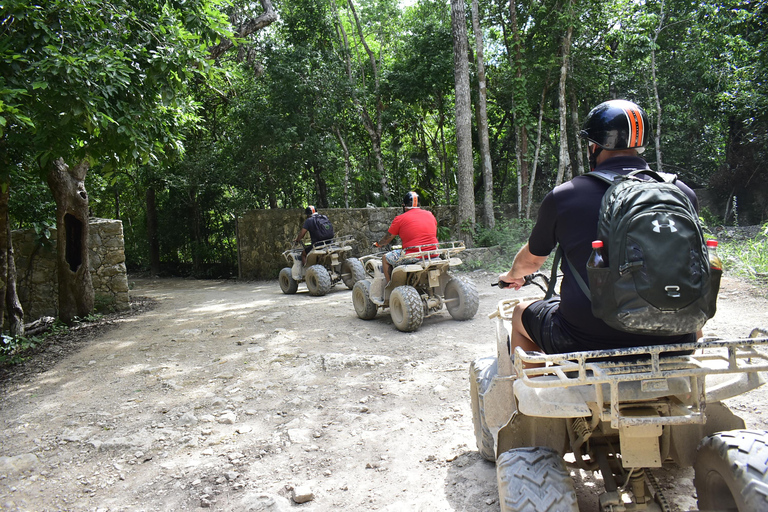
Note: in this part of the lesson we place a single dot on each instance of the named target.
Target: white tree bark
(564, 162)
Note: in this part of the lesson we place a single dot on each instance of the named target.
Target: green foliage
(128, 85)
(13, 350)
(509, 234)
(747, 258)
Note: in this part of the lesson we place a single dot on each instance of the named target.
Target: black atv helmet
(411, 200)
(617, 124)
(310, 210)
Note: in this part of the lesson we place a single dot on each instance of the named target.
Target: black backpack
(658, 280)
(323, 226)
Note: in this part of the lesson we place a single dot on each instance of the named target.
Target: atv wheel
(287, 283)
(461, 299)
(481, 373)
(730, 472)
(406, 308)
(361, 298)
(352, 271)
(534, 479)
(318, 280)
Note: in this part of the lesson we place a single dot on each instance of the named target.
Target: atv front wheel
(406, 308)
(352, 271)
(461, 299)
(361, 298)
(730, 472)
(534, 479)
(481, 373)
(287, 283)
(318, 280)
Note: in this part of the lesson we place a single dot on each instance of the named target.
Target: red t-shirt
(415, 227)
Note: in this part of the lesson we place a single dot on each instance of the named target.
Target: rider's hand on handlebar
(506, 282)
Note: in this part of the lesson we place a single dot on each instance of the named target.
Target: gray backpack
(658, 280)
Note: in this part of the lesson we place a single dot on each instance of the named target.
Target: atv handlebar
(529, 279)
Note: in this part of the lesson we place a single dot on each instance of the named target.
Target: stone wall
(36, 269)
(263, 235)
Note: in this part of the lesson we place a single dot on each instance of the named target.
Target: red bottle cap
(711, 243)
(598, 244)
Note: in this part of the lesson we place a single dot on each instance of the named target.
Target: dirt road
(232, 396)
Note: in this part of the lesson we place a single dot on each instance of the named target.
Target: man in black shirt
(319, 227)
(617, 132)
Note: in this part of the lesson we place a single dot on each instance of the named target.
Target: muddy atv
(622, 412)
(420, 286)
(327, 264)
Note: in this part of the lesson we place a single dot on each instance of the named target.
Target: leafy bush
(509, 234)
(747, 258)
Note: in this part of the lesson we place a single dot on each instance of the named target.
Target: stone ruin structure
(36, 279)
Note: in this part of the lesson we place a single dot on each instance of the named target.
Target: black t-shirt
(569, 215)
(317, 231)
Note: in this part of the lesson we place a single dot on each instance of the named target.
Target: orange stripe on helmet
(414, 200)
(636, 127)
(313, 209)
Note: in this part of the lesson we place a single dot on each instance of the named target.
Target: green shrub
(747, 258)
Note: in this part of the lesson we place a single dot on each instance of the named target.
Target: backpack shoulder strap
(661, 177)
(605, 176)
(560, 253)
(579, 280)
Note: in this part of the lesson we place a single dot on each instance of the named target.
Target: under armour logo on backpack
(658, 225)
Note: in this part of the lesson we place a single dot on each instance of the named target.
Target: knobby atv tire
(534, 479)
(481, 373)
(731, 471)
(406, 308)
(462, 299)
(287, 283)
(352, 271)
(318, 280)
(361, 298)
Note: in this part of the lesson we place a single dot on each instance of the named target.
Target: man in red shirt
(416, 227)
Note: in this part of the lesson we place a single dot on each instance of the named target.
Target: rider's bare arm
(385, 240)
(525, 263)
(301, 234)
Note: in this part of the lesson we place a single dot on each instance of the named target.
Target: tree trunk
(444, 151)
(576, 124)
(463, 122)
(5, 244)
(152, 235)
(72, 260)
(482, 122)
(321, 187)
(536, 152)
(564, 162)
(346, 165)
(12, 302)
(245, 28)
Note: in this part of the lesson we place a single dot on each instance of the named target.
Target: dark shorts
(543, 326)
(544, 329)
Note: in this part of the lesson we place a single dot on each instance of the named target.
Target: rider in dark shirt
(569, 216)
(319, 227)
